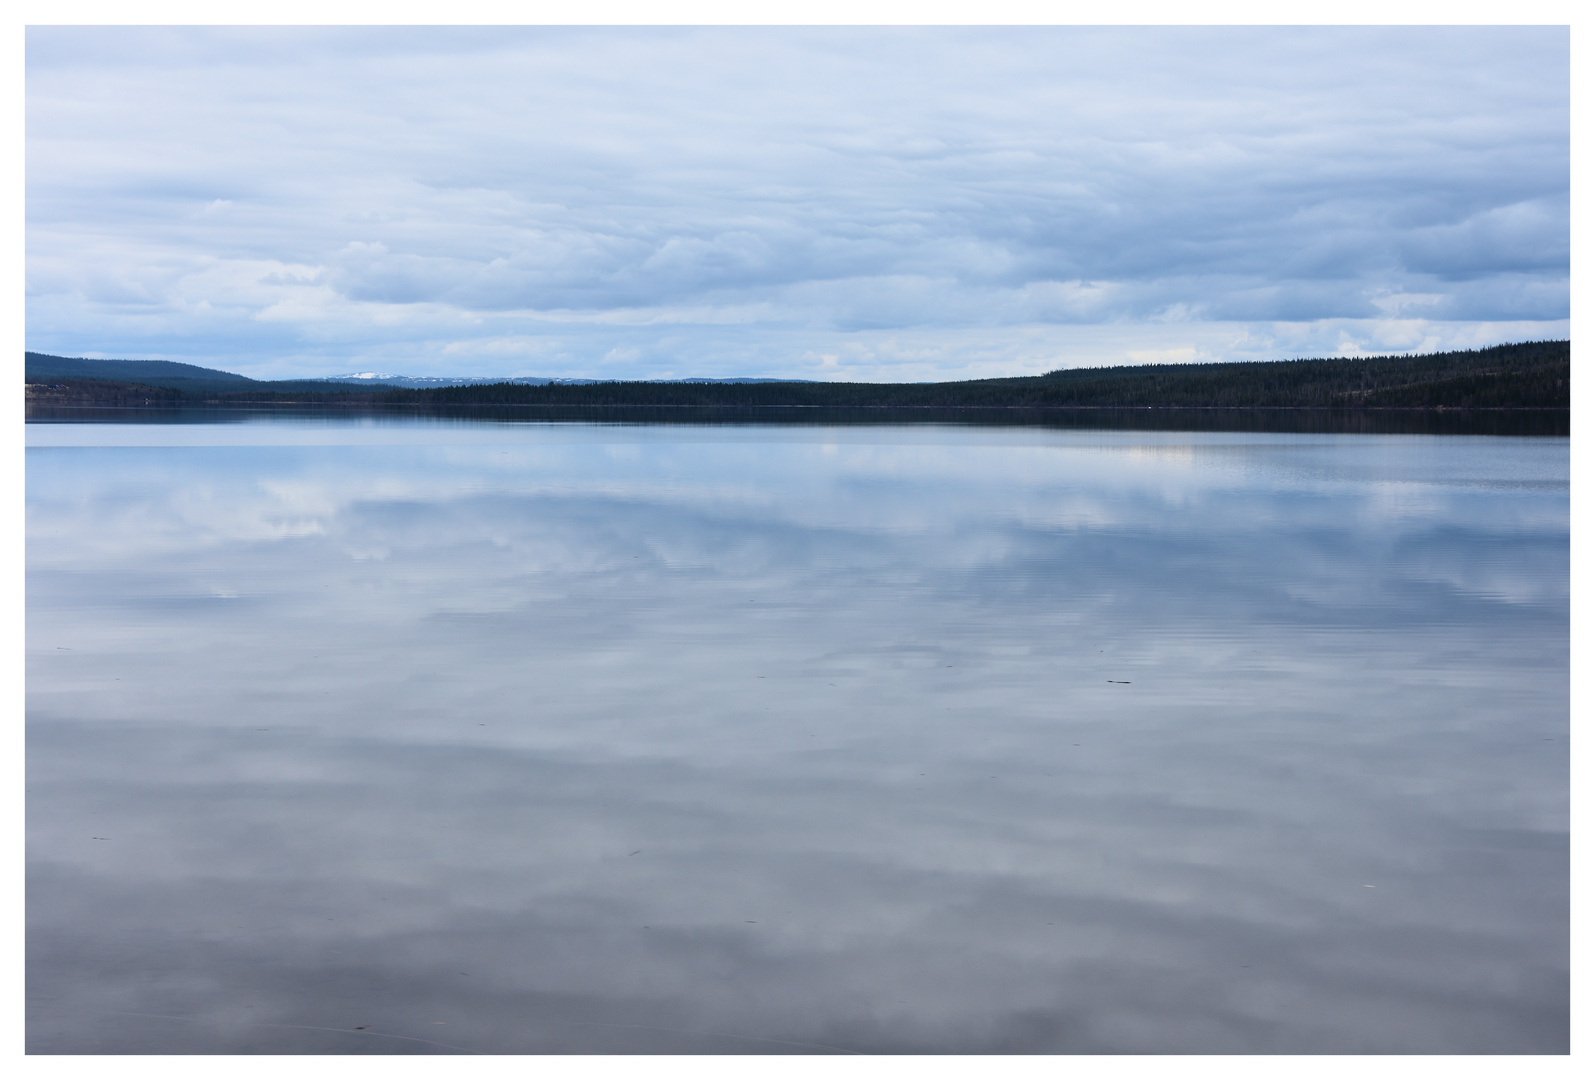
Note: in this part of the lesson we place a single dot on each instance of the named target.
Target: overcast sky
(820, 203)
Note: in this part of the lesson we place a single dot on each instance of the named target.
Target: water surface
(374, 736)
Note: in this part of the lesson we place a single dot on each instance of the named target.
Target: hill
(168, 373)
(83, 377)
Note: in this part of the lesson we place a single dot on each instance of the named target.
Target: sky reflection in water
(426, 738)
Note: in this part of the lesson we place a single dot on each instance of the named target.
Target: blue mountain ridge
(179, 375)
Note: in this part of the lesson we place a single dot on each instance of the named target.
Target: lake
(401, 736)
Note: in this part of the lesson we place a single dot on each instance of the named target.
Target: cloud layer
(814, 203)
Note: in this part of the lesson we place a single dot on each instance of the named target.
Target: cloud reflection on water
(357, 720)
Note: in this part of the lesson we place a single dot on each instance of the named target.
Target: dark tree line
(1528, 375)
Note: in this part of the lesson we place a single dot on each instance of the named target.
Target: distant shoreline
(1278, 419)
(1523, 376)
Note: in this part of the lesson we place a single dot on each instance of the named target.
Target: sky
(890, 204)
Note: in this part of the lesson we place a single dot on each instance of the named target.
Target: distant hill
(42, 367)
(144, 372)
(84, 375)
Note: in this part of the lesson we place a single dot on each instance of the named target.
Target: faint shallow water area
(384, 737)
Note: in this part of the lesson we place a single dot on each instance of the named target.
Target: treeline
(1529, 375)
(55, 390)
(59, 391)
(1533, 375)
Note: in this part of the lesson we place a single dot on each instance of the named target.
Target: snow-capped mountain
(423, 381)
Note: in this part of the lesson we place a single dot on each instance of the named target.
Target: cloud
(432, 189)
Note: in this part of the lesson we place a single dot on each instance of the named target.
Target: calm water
(438, 737)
